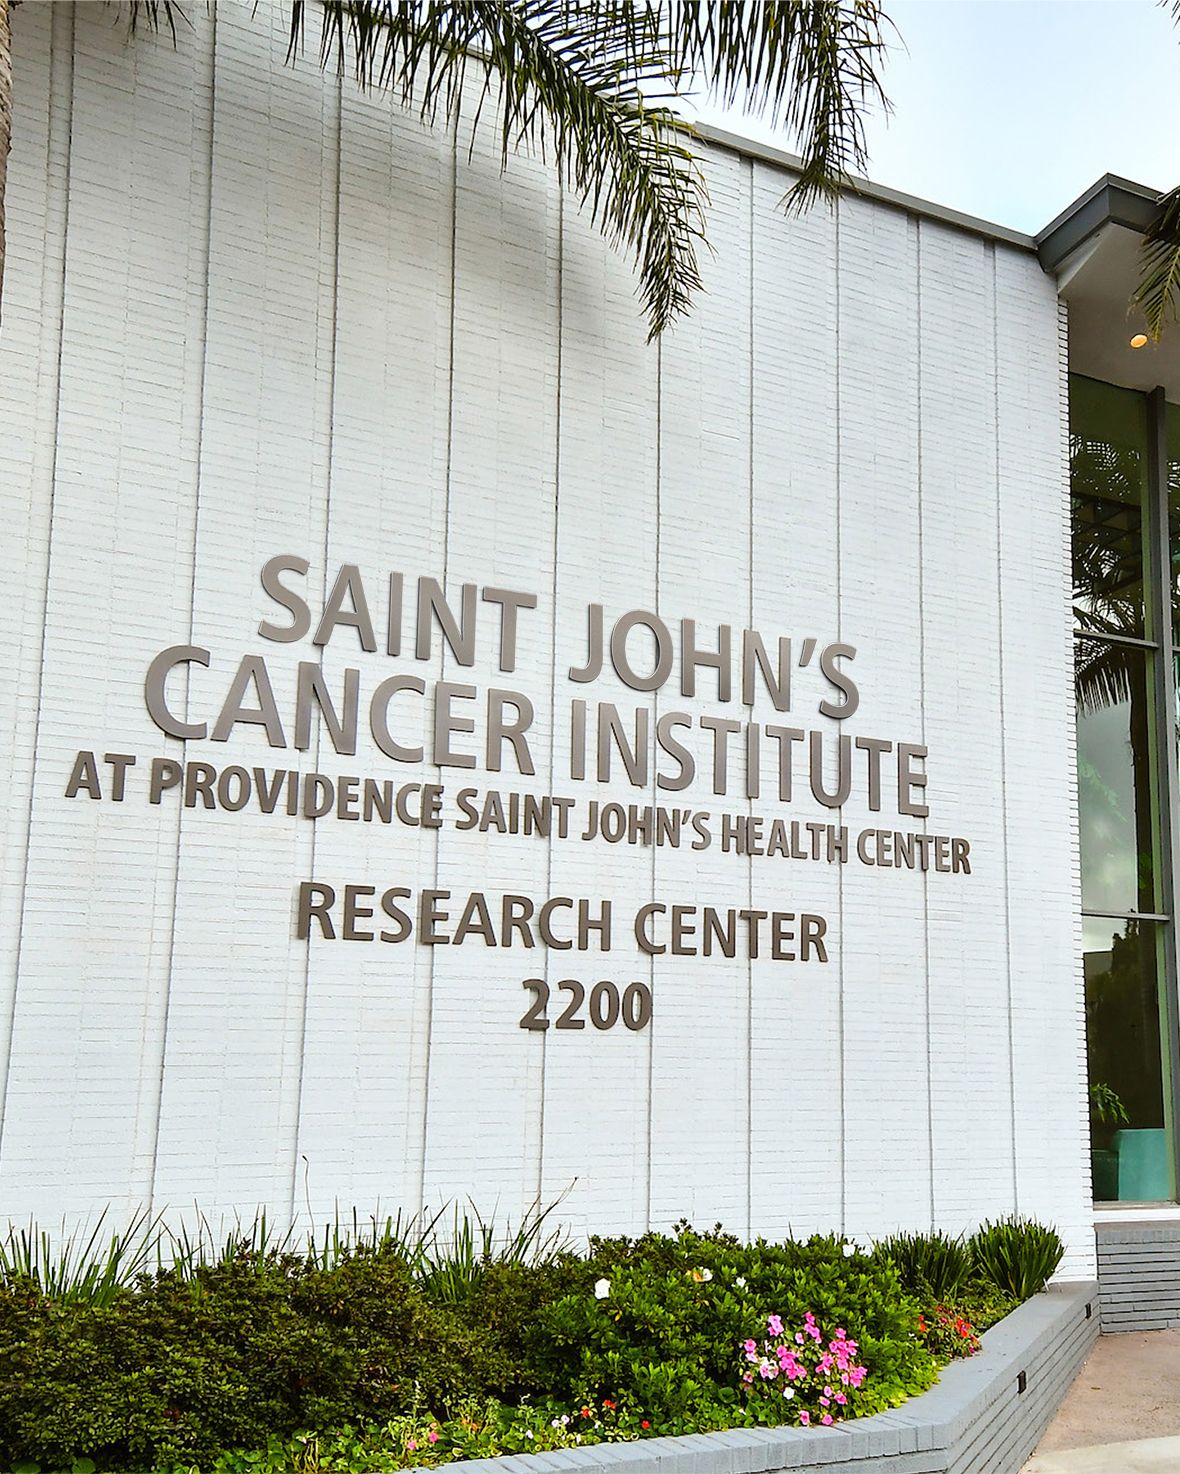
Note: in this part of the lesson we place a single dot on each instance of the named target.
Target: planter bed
(984, 1416)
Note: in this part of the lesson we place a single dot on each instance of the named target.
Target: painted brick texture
(248, 312)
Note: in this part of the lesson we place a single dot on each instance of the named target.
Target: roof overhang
(1093, 249)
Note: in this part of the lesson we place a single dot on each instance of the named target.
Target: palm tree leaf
(568, 85)
(154, 14)
(1159, 287)
(1102, 674)
(813, 64)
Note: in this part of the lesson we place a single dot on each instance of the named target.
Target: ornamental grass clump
(929, 1264)
(1017, 1255)
(811, 1377)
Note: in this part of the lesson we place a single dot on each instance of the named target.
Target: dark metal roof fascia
(911, 204)
(1109, 201)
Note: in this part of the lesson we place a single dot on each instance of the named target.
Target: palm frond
(1158, 293)
(154, 14)
(814, 65)
(1103, 674)
(568, 85)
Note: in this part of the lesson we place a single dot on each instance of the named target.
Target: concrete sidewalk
(1122, 1414)
(1145, 1456)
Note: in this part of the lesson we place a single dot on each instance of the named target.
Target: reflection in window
(1127, 1032)
(1131, 1159)
(1108, 470)
(1114, 776)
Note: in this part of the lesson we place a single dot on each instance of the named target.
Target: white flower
(601, 1289)
(528, 1433)
(788, 1392)
(849, 1250)
(706, 1274)
(740, 1283)
(555, 1423)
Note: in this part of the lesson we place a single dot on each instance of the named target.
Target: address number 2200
(605, 1004)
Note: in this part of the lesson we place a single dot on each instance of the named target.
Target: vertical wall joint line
(838, 211)
(328, 432)
(751, 624)
(207, 251)
(922, 714)
(1003, 724)
(61, 137)
(420, 1196)
(560, 302)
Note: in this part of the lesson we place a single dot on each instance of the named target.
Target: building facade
(457, 749)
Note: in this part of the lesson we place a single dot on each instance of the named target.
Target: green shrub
(983, 1303)
(378, 1350)
(662, 1331)
(180, 1369)
(928, 1264)
(1017, 1255)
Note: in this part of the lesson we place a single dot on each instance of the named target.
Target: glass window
(1173, 427)
(1115, 776)
(1130, 1156)
(1129, 1020)
(1108, 477)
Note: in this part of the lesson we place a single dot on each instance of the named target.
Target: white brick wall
(249, 312)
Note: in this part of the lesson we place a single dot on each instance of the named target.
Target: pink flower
(775, 1325)
(841, 1399)
(432, 1436)
(805, 1417)
(799, 1337)
(827, 1392)
(750, 1347)
(823, 1402)
(827, 1418)
(411, 1446)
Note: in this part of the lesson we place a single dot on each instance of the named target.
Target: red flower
(645, 1424)
(585, 1412)
(607, 1403)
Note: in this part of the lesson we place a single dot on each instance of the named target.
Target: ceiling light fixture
(1139, 340)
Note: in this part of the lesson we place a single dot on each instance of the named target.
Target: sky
(1010, 109)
